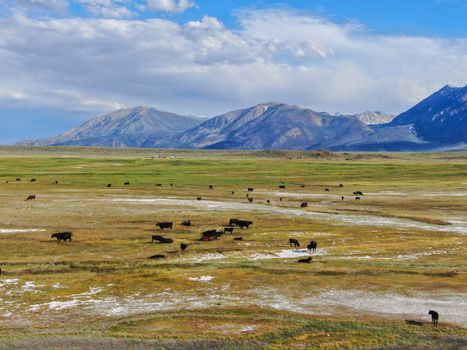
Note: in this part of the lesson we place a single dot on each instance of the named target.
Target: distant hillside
(274, 125)
(441, 117)
(439, 122)
(130, 127)
(374, 118)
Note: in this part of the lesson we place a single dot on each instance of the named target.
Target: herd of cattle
(211, 235)
(208, 235)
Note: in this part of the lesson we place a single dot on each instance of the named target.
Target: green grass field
(389, 257)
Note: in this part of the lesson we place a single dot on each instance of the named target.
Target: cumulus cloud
(204, 67)
(38, 5)
(108, 8)
(170, 5)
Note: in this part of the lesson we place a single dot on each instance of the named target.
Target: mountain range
(438, 122)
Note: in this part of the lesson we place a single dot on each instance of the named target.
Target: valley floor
(381, 261)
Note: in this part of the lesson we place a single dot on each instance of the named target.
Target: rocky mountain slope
(123, 128)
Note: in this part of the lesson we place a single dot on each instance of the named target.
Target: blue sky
(65, 61)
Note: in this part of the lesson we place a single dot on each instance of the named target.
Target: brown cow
(31, 197)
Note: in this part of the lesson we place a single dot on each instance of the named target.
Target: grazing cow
(210, 235)
(293, 242)
(250, 189)
(158, 185)
(186, 223)
(305, 260)
(62, 236)
(358, 193)
(250, 200)
(268, 201)
(183, 246)
(233, 192)
(32, 180)
(109, 185)
(157, 256)
(198, 198)
(357, 198)
(18, 179)
(434, 317)
(127, 183)
(31, 197)
(326, 189)
(56, 182)
(302, 186)
(281, 186)
(312, 246)
(165, 224)
(161, 239)
(341, 185)
(304, 205)
(238, 239)
(244, 223)
(342, 197)
(156, 238)
(229, 229)
(210, 187)
(233, 222)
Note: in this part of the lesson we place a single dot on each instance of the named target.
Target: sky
(65, 61)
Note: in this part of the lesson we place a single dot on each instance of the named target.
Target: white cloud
(39, 5)
(203, 67)
(170, 5)
(108, 8)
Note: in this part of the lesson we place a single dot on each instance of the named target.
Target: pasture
(389, 257)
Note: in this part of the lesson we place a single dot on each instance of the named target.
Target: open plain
(385, 259)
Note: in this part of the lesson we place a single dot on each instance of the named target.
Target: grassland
(387, 258)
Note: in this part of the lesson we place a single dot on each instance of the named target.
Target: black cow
(244, 223)
(18, 179)
(186, 223)
(56, 182)
(32, 180)
(229, 229)
(250, 189)
(210, 187)
(305, 260)
(127, 183)
(434, 317)
(171, 185)
(304, 205)
(341, 185)
(31, 197)
(158, 185)
(342, 197)
(109, 185)
(302, 186)
(198, 198)
(238, 239)
(294, 242)
(268, 201)
(161, 239)
(357, 198)
(233, 222)
(233, 192)
(183, 246)
(165, 224)
(210, 235)
(326, 189)
(62, 236)
(281, 186)
(280, 199)
(312, 246)
(358, 193)
(157, 256)
(250, 200)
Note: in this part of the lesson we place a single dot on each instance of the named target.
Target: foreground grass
(106, 267)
